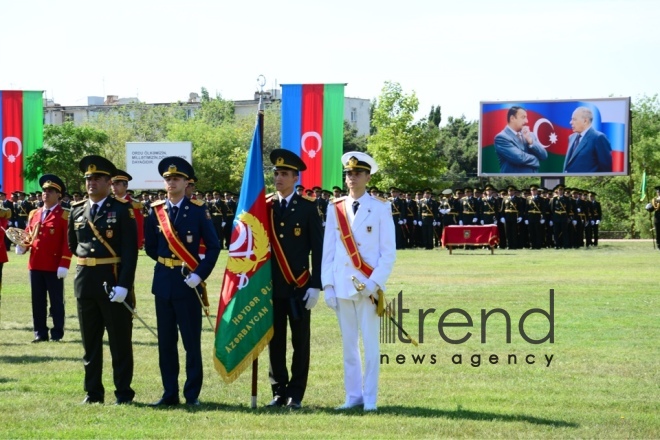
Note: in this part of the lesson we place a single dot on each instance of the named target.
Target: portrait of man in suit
(518, 149)
(589, 151)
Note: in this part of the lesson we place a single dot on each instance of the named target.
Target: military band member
(5, 216)
(535, 215)
(8, 216)
(360, 243)
(588, 221)
(22, 208)
(230, 201)
(654, 207)
(470, 209)
(296, 232)
(579, 218)
(173, 231)
(398, 217)
(490, 206)
(102, 233)
(411, 220)
(50, 259)
(218, 209)
(427, 208)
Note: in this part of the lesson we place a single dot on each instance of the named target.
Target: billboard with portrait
(583, 137)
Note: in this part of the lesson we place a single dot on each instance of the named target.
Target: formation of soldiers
(533, 218)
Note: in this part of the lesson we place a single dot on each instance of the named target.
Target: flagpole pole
(261, 81)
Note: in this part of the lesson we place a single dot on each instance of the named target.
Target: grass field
(602, 381)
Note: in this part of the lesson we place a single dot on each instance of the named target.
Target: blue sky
(450, 53)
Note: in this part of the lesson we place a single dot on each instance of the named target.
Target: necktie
(282, 206)
(95, 209)
(173, 212)
(45, 215)
(356, 205)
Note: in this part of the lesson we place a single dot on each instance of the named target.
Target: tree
(64, 146)
(215, 111)
(353, 142)
(458, 147)
(435, 116)
(404, 149)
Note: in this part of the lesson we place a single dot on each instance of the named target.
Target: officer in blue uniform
(178, 307)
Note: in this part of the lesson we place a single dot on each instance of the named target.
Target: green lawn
(602, 382)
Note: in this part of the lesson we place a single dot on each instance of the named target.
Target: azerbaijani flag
(245, 312)
(22, 134)
(550, 122)
(313, 128)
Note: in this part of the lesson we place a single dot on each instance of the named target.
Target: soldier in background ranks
(588, 222)
(426, 209)
(411, 219)
(22, 209)
(560, 206)
(102, 233)
(597, 215)
(218, 209)
(535, 215)
(321, 202)
(50, 258)
(7, 215)
(300, 190)
(231, 214)
(121, 191)
(654, 207)
(399, 217)
(490, 206)
(579, 219)
(513, 208)
(470, 209)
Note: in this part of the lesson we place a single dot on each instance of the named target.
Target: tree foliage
(403, 148)
(458, 147)
(353, 142)
(64, 146)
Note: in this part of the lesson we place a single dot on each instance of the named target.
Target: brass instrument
(20, 237)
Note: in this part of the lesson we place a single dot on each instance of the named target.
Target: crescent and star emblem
(12, 157)
(303, 140)
(553, 135)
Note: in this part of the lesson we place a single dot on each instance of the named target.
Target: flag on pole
(313, 128)
(22, 134)
(245, 312)
(643, 196)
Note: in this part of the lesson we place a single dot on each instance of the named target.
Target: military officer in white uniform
(367, 225)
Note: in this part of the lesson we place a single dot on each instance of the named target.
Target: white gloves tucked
(474, 220)
(400, 222)
(460, 222)
(330, 297)
(20, 250)
(526, 222)
(118, 294)
(502, 220)
(551, 222)
(224, 224)
(62, 272)
(542, 221)
(202, 256)
(370, 289)
(311, 298)
(574, 222)
(519, 219)
(192, 280)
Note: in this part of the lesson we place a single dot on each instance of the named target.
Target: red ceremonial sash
(173, 241)
(289, 277)
(349, 241)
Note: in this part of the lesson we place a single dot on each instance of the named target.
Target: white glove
(519, 220)
(370, 289)
(474, 220)
(649, 206)
(579, 210)
(62, 272)
(311, 298)
(550, 222)
(482, 222)
(502, 220)
(435, 223)
(542, 221)
(404, 221)
(118, 294)
(330, 297)
(460, 222)
(526, 222)
(597, 222)
(202, 256)
(400, 222)
(20, 250)
(593, 222)
(192, 280)
(574, 222)
(224, 224)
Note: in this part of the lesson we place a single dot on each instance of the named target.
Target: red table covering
(485, 235)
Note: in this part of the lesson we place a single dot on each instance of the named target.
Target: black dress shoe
(40, 339)
(123, 401)
(195, 402)
(293, 404)
(56, 339)
(90, 400)
(277, 401)
(166, 402)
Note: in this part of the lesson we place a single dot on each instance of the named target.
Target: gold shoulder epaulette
(121, 200)
(136, 204)
(270, 196)
(5, 212)
(31, 214)
(157, 203)
(337, 199)
(65, 213)
(309, 199)
(195, 202)
(78, 203)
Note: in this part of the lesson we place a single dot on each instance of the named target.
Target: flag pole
(261, 81)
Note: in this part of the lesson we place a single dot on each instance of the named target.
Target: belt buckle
(90, 262)
(169, 263)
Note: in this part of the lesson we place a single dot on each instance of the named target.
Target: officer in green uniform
(560, 207)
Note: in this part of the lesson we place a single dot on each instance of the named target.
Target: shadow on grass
(7, 380)
(396, 410)
(28, 359)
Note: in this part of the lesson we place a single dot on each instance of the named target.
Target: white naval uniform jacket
(374, 234)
